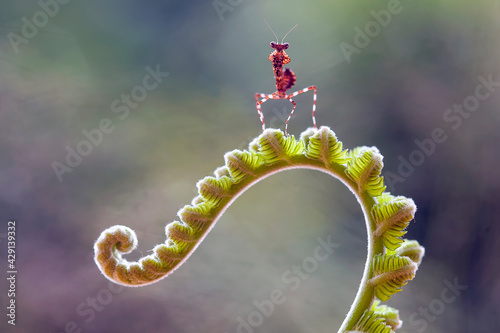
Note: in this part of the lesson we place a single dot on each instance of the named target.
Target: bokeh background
(64, 78)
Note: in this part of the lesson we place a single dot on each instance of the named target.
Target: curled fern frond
(389, 264)
(392, 215)
(391, 273)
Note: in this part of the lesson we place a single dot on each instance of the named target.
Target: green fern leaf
(411, 249)
(392, 216)
(390, 274)
(170, 253)
(274, 146)
(242, 164)
(197, 216)
(371, 323)
(214, 189)
(181, 232)
(323, 145)
(364, 169)
(221, 172)
(390, 315)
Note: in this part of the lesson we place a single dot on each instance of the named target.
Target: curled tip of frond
(118, 238)
(182, 238)
(109, 248)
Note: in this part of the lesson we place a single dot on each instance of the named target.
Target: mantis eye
(285, 46)
(273, 45)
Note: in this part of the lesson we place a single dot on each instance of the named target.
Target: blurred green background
(61, 79)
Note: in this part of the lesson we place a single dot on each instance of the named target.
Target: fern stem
(366, 294)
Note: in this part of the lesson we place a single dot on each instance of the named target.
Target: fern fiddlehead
(391, 261)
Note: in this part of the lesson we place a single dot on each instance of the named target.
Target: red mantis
(285, 79)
